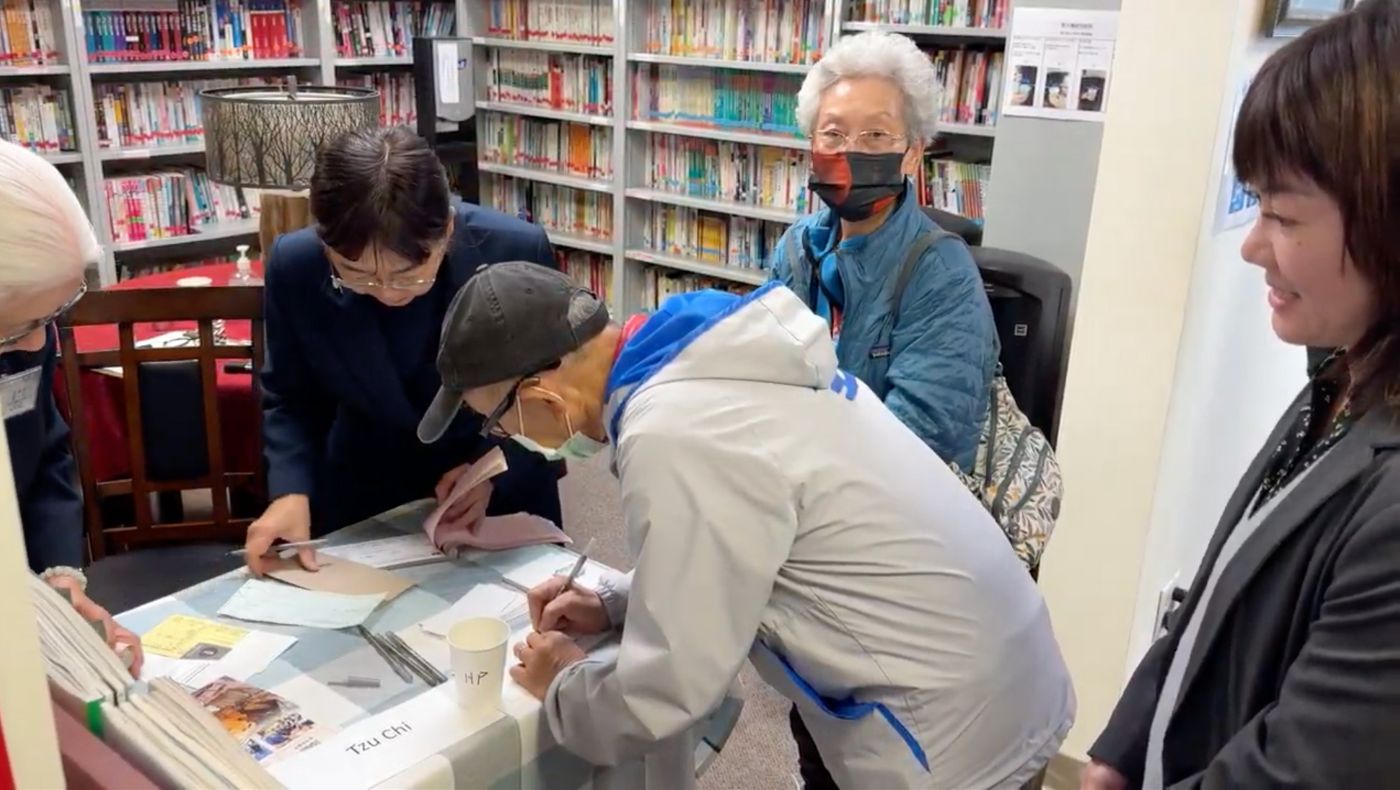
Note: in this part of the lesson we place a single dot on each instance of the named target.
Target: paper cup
(478, 650)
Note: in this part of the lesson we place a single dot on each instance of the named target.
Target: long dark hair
(383, 188)
(1327, 106)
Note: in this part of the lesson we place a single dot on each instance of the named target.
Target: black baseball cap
(510, 321)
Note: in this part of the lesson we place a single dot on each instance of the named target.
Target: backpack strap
(911, 261)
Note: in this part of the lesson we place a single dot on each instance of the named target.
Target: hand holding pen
(560, 605)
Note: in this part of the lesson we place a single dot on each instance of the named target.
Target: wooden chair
(125, 309)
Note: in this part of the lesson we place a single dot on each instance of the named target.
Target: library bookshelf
(669, 231)
(636, 254)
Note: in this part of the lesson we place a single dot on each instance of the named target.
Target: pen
(384, 654)
(428, 672)
(303, 544)
(578, 568)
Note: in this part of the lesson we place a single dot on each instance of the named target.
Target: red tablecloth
(104, 402)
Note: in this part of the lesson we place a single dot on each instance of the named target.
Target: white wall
(1234, 378)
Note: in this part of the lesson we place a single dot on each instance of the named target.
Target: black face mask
(857, 186)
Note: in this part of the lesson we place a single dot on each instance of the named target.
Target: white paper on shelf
(262, 601)
(445, 57)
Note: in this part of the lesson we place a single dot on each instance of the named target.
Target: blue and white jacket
(933, 367)
(775, 509)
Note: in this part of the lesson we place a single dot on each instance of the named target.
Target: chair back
(158, 411)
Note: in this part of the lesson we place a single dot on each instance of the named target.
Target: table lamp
(266, 137)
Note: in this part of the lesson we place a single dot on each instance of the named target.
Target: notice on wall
(1235, 205)
(1060, 63)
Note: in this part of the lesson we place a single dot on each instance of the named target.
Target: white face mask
(578, 447)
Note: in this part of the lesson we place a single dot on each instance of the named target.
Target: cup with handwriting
(478, 648)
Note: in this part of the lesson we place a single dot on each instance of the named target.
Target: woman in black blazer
(1282, 666)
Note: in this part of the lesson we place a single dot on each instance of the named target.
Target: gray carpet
(760, 754)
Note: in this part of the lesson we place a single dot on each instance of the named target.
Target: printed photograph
(1091, 90)
(1023, 90)
(1057, 90)
(265, 723)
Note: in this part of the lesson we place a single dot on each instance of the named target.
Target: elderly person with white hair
(46, 243)
(870, 106)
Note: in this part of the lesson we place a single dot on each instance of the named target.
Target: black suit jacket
(1294, 680)
(339, 420)
(50, 504)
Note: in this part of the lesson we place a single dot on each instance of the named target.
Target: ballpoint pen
(415, 660)
(578, 568)
(384, 654)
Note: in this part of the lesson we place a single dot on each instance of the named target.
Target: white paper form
(395, 552)
(1060, 63)
(262, 601)
(445, 56)
(252, 654)
(483, 600)
(528, 566)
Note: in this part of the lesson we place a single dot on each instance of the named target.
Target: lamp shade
(267, 137)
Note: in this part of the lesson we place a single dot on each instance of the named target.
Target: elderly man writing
(775, 509)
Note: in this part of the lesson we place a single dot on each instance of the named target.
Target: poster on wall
(1060, 63)
(1236, 204)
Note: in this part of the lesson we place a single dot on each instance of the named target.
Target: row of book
(770, 31)
(574, 83)
(398, 106)
(169, 203)
(575, 148)
(661, 284)
(970, 81)
(751, 101)
(28, 35)
(736, 172)
(708, 237)
(198, 30)
(586, 22)
(590, 270)
(38, 117)
(959, 187)
(948, 13)
(577, 212)
(141, 115)
(381, 29)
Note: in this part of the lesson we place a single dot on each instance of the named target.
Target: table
(104, 403)
(515, 751)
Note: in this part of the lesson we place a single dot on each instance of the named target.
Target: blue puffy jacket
(934, 369)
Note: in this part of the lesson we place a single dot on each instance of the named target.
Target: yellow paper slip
(182, 636)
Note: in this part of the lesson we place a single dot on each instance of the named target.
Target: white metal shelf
(378, 61)
(51, 70)
(542, 46)
(729, 135)
(545, 112)
(160, 67)
(731, 273)
(150, 152)
(547, 177)
(716, 63)
(967, 129)
(63, 157)
(719, 206)
(230, 230)
(930, 31)
(561, 239)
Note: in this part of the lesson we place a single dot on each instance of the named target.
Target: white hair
(876, 54)
(45, 237)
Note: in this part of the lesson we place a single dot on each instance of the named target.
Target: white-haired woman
(46, 243)
(870, 106)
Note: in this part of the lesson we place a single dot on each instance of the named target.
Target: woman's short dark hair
(380, 187)
(1327, 106)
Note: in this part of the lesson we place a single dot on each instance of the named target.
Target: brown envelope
(340, 576)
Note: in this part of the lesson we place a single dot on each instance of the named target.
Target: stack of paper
(486, 467)
(163, 732)
(395, 552)
(194, 652)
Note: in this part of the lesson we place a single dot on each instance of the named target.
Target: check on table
(309, 728)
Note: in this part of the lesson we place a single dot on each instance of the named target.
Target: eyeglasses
(870, 141)
(359, 285)
(34, 326)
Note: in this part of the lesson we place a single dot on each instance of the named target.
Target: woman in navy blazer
(353, 309)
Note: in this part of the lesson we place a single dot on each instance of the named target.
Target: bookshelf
(680, 88)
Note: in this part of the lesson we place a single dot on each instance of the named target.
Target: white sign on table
(1059, 63)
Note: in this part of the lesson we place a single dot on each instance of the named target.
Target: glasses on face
(34, 326)
(358, 284)
(870, 141)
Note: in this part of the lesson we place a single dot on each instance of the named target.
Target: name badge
(18, 393)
